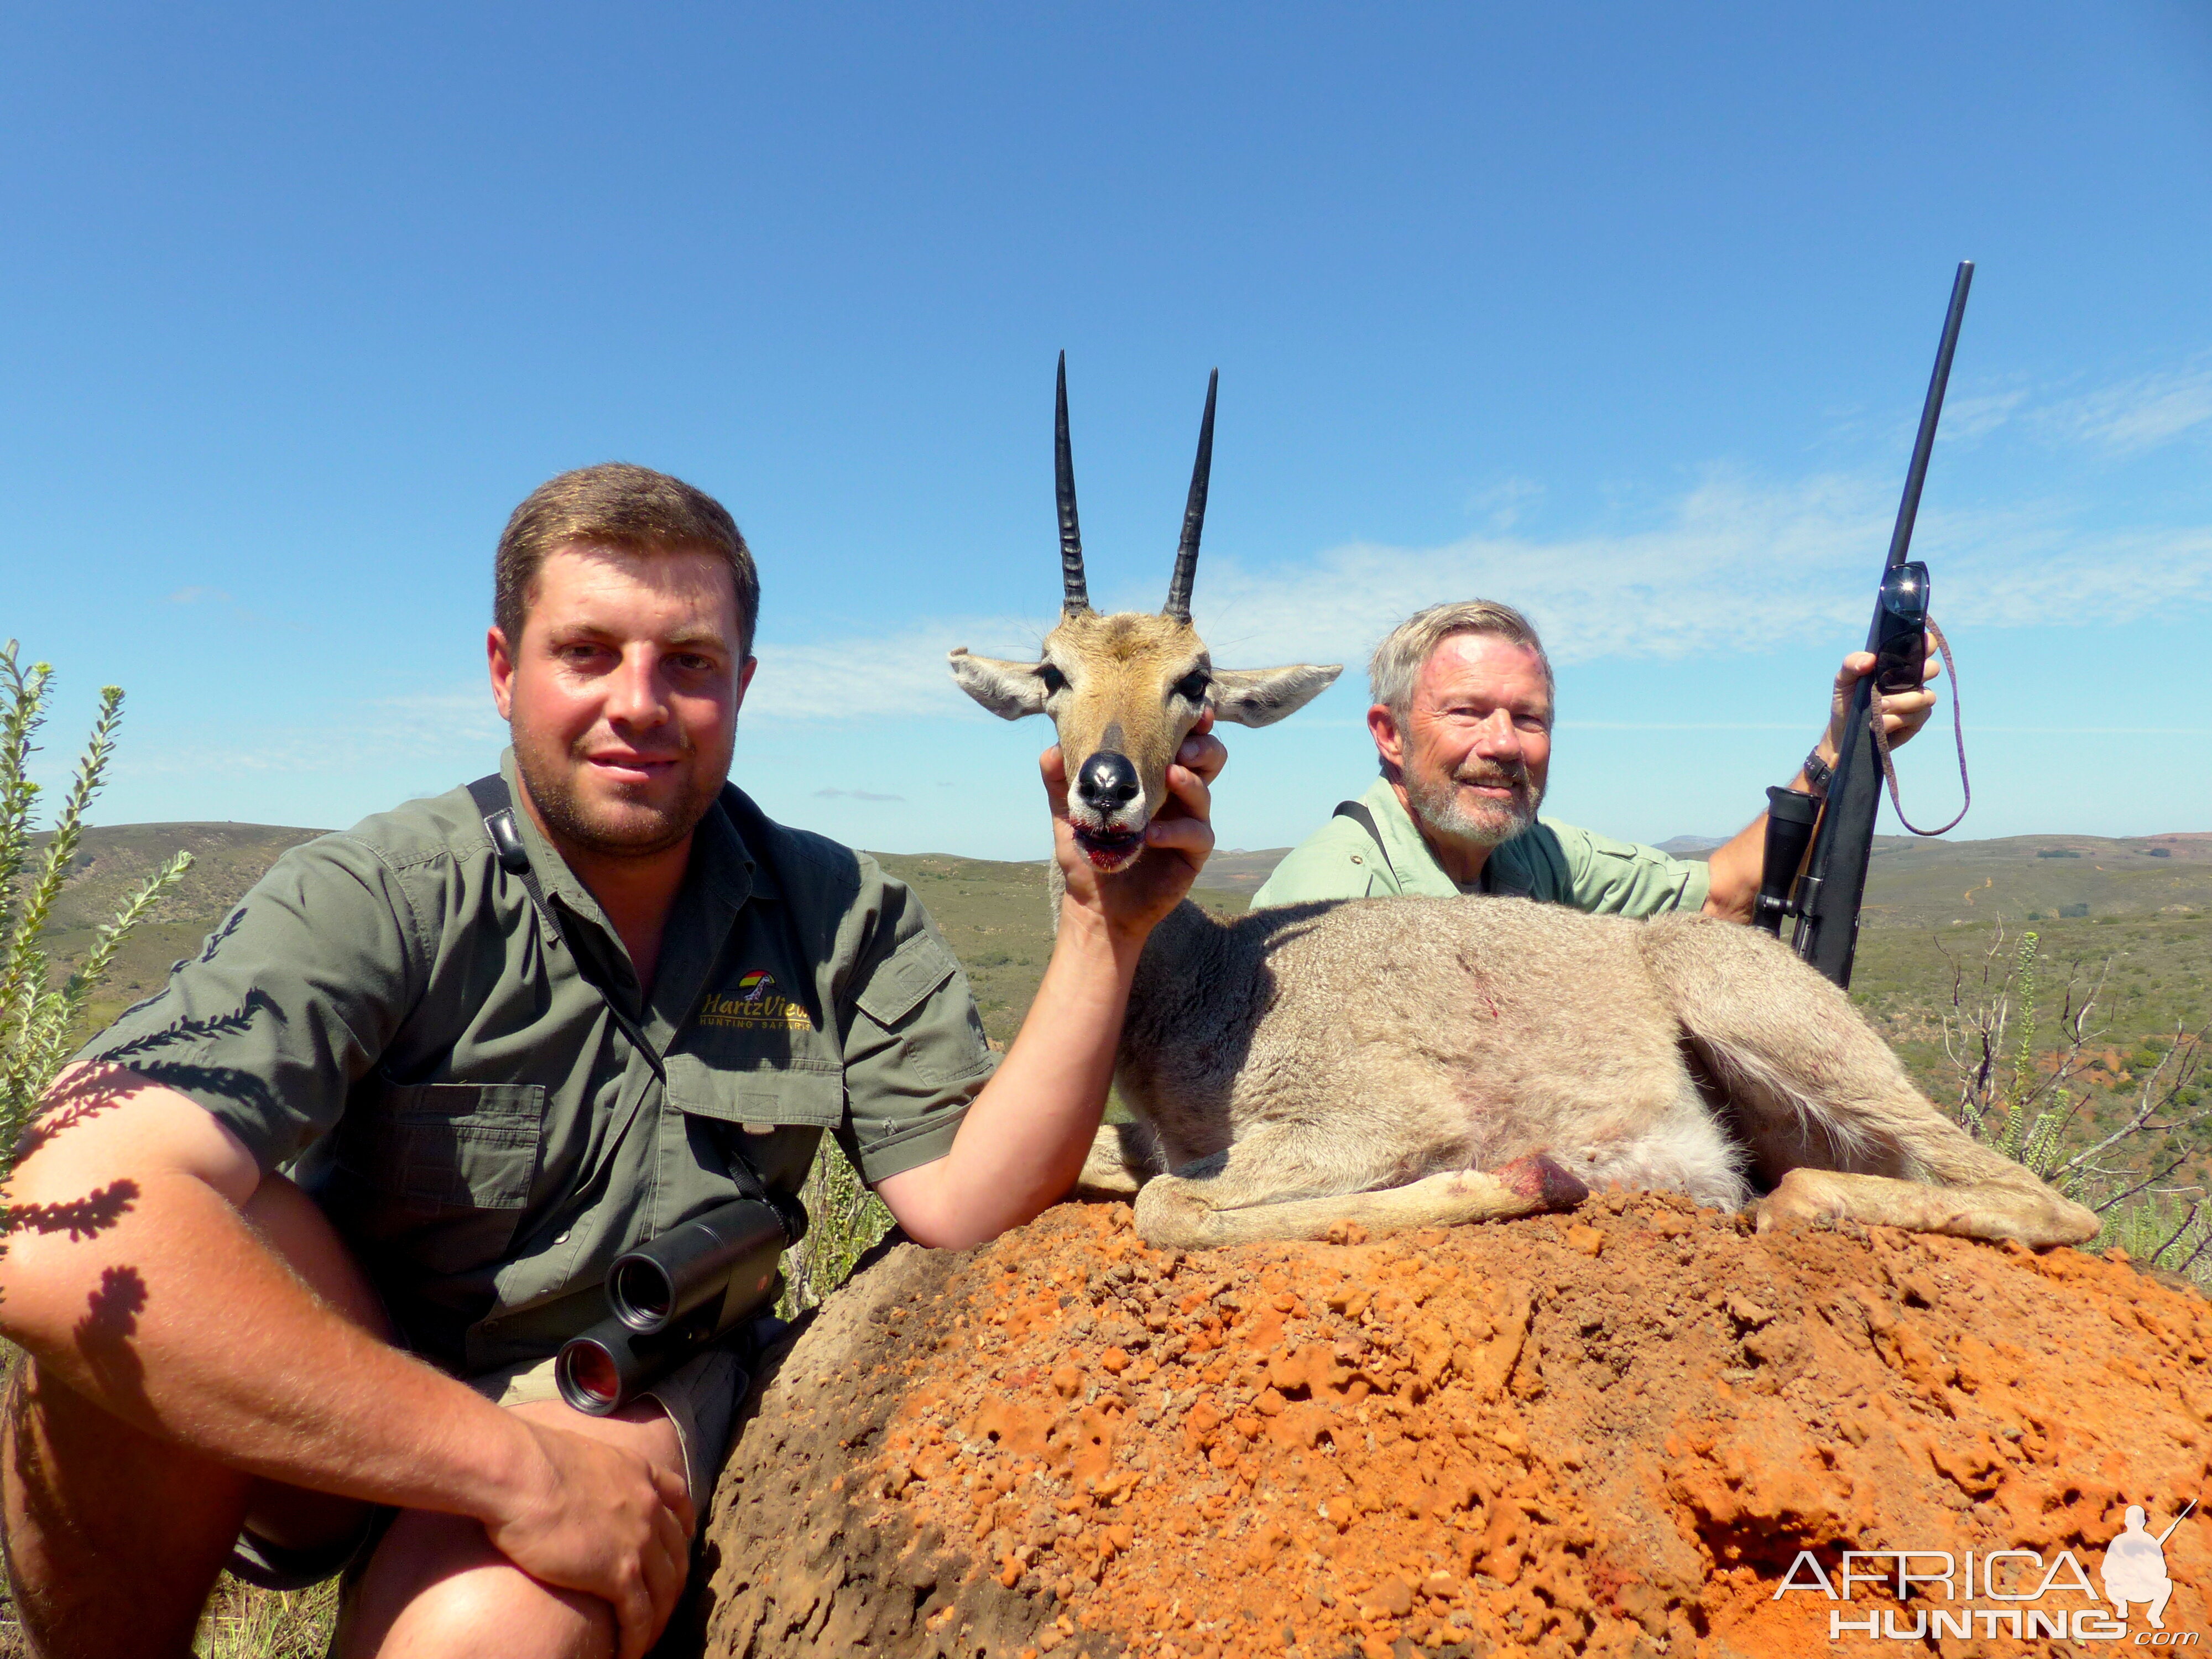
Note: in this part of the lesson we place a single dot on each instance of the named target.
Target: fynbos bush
(39, 1017)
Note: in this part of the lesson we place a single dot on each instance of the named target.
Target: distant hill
(2146, 899)
(226, 859)
(1235, 871)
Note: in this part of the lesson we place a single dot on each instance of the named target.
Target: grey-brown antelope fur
(1414, 1061)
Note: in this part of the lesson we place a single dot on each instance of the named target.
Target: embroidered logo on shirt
(756, 1004)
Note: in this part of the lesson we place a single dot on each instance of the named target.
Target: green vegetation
(2078, 1049)
(845, 1221)
(39, 1018)
(44, 925)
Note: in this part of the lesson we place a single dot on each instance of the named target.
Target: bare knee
(437, 1586)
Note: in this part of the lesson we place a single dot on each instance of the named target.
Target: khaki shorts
(701, 1398)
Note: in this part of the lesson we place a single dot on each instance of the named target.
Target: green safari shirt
(388, 1018)
(1550, 861)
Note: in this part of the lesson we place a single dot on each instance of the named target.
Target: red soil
(1610, 1432)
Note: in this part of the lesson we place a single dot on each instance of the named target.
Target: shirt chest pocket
(453, 1146)
(810, 1094)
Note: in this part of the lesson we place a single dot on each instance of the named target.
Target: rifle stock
(1828, 893)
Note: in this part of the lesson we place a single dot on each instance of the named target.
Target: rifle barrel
(1834, 882)
(1931, 412)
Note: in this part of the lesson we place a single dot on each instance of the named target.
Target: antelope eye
(1192, 687)
(1052, 679)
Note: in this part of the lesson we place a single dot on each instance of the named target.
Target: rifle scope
(677, 1296)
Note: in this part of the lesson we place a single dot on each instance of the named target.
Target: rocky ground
(1610, 1432)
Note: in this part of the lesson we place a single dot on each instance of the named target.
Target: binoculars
(676, 1296)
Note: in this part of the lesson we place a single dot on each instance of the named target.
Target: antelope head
(1124, 690)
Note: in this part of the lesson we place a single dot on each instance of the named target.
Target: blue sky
(1621, 314)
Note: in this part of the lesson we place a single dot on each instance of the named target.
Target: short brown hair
(617, 505)
(1406, 648)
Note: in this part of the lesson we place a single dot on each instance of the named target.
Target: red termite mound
(1611, 1432)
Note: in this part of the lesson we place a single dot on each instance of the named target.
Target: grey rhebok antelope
(1417, 1062)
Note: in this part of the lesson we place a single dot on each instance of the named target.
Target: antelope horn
(1077, 597)
(1194, 511)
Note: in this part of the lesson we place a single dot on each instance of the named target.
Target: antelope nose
(1107, 781)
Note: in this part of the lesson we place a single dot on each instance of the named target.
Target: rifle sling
(1958, 731)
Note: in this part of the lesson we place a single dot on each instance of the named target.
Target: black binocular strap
(496, 807)
(1358, 813)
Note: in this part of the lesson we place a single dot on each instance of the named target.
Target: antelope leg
(2026, 1210)
(1186, 1212)
(1123, 1156)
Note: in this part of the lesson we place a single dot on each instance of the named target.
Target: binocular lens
(588, 1376)
(641, 1292)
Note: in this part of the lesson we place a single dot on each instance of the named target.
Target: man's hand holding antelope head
(1133, 696)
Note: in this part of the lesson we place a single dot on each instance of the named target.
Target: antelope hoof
(1800, 1201)
(1547, 1184)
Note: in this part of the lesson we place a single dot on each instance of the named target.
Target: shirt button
(1355, 859)
(560, 1238)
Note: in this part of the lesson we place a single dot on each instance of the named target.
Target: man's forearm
(1024, 1139)
(171, 1314)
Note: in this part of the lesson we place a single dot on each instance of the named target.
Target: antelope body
(1418, 1062)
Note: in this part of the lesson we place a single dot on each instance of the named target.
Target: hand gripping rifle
(1840, 835)
(676, 1296)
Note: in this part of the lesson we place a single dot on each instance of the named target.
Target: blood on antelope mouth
(1108, 849)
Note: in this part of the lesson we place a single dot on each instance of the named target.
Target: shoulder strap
(1358, 813)
(496, 807)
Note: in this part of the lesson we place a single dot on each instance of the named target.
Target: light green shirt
(1554, 862)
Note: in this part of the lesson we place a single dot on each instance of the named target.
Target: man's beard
(1437, 803)
(570, 817)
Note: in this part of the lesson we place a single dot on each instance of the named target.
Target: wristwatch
(1818, 774)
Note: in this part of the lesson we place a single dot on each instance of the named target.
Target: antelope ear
(1008, 689)
(1260, 696)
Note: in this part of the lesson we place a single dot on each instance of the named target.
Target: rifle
(676, 1296)
(1840, 834)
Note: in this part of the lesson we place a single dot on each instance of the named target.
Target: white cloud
(1983, 412)
(881, 677)
(1735, 560)
(1506, 501)
(2139, 413)
(437, 726)
(1751, 563)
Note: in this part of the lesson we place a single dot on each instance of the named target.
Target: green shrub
(39, 1019)
(2165, 1232)
(844, 1221)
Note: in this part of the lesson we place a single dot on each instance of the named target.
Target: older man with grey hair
(1463, 697)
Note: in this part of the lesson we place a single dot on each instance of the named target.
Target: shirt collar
(1503, 871)
(720, 860)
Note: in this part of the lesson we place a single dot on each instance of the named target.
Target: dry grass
(241, 1623)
